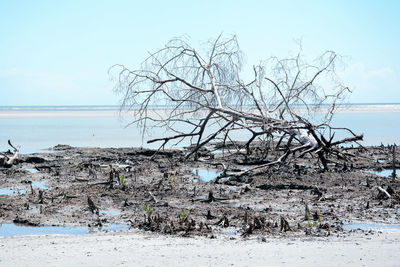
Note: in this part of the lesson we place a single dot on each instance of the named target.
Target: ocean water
(101, 126)
(377, 127)
(34, 134)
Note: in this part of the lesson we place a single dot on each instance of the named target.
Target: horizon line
(108, 105)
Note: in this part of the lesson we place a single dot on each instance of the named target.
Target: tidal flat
(161, 192)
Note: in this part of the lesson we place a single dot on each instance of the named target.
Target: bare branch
(206, 91)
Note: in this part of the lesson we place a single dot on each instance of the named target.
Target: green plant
(148, 209)
(314, 223)
(122, 181)
(172, 181)
(183, 216)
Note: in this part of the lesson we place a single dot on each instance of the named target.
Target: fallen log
(6, 161)
(383, 193)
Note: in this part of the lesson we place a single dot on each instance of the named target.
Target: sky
(59, 52)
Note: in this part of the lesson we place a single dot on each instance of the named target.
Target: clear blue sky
(58, 52)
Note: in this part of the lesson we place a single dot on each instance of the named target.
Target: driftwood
(394, 162)
(93, 208)
(383, 193)
(284, 225)
(6, 161)
(207, 100)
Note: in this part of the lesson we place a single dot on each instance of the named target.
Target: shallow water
(377, 127)
(110, 212)
(34, 209)
(18, 230)
(205, 175)
(8, 191)
(40, 185)
(364, 226)
(384, 173)
(36, 133)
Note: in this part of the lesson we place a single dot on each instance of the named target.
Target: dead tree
(7, 161)
(208, 100)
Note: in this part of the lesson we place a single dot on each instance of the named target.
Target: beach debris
(394, 162)
(285, 95)
(284, 226)
(93, 208)
(209, 216)
(23, 221)
(224, 222)
(41, 197)
(306, 213)
(7, 161)
(35, 159)
(212, 198)
(383, 193)
(248, 230)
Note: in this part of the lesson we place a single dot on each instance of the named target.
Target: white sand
(369, 108)
(57, 113)
(114, 112)
(140, 249)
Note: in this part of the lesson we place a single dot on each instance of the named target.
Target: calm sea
(101, 126)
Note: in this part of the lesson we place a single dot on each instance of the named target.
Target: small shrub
(148, 209)
(183, 216)
(122, 181)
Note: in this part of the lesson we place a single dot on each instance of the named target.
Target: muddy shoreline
(160, 192)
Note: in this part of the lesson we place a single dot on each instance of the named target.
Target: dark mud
(161, 192)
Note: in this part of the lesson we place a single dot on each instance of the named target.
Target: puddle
(364, 226)
(19, 230)
(31, 170)
(40, 185)
(398, 211)
(204, 175)
(384, 173)
(8, 191)
(110, 212)
(234, 203)
(219, 151)
(34, 209)
(231, 233)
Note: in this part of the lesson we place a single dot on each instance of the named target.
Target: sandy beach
(143, 249)
(26, 113)
(57, 113)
